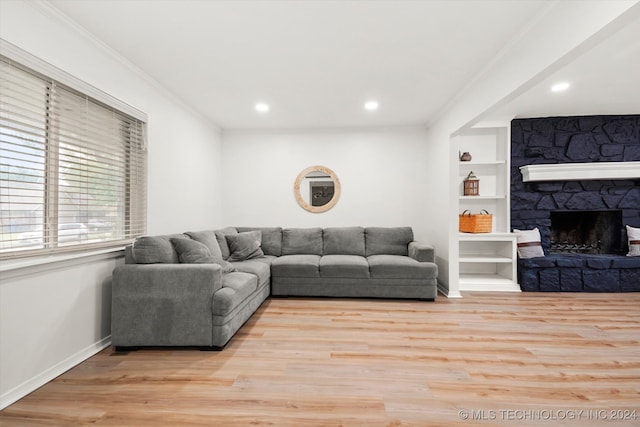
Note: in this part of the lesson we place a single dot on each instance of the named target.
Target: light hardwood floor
(530, 359)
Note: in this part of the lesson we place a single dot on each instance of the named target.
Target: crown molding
(49, 10)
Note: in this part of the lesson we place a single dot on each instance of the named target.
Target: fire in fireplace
(587, 232)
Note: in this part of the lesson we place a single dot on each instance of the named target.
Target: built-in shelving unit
(487, 262)
(484, 261)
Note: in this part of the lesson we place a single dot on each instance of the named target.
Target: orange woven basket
(476, 223)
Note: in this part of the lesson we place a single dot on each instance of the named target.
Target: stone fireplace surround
(561, 140)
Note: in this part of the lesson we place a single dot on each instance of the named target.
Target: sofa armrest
(422, 252)
(167, 279)
(163, 304)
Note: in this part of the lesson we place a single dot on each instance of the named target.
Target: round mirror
(317, 189)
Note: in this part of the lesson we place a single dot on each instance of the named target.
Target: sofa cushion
(208, 238)
(222, 241)
(400, 267)
(192, 252)
(388, 240)
(344, 266)
(302, 241)
(296, 266)
(155, 249)
(343, 241)
(267, 259)
(260, 269)
(271, 239)
(236, 287)
(243, 246)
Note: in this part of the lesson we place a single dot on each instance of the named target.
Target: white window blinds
(72, 169)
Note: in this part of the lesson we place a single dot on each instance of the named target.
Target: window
(72, 168)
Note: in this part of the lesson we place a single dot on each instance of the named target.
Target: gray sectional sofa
(199, 288)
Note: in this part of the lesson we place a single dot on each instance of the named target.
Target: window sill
(21, 267)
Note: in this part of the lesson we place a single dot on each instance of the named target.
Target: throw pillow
(529, 245)
(208, 238)
(222, 241)
(244, 246)
(192, 252)
(633, 235)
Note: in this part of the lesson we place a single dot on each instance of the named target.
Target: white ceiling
(316, 62)
(604, 80)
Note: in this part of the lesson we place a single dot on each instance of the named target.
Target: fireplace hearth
(587, 232)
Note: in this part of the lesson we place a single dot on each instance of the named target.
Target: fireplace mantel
(580, 171)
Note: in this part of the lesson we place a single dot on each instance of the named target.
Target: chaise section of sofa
(157, 300)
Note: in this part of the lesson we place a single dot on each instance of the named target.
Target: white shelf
(487, 282)
(491, 163)
(492, 197)
(485, 236)
(484, 258)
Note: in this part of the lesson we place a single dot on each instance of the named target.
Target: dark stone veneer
(581, 139)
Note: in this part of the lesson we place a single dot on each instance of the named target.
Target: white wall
(382, 174)
(55, 315)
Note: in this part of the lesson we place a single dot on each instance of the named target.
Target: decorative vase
(465, 157)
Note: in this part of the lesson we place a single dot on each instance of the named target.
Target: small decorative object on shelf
(476, 223)
(471, 185)
(465, 157)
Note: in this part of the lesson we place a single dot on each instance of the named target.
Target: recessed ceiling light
(371, 105)
(261, 107)
(560, 87)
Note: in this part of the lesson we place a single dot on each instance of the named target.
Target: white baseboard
(444, 290)
(58, 369)
(496, 287)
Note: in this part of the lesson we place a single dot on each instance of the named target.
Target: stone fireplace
(581, 221)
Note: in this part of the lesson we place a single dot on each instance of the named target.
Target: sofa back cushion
(271, 239)
(344, 241)
(388, 240)
(302, 241)
(156, 249)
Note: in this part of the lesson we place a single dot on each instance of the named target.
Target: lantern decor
(471, 185)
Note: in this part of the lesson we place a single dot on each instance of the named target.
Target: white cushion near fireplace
(633, 234)
(529, 245)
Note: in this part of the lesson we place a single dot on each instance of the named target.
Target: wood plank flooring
(530, 359)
